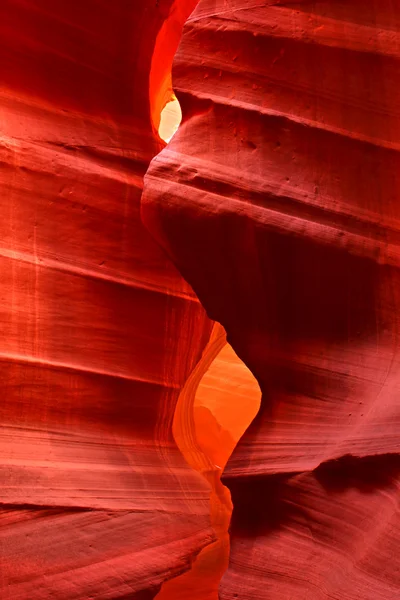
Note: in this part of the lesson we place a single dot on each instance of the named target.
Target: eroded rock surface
(278, 201)
(99, 331)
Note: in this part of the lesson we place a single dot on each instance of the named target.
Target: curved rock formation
(216, 405)
(99, 330)
(278, 202)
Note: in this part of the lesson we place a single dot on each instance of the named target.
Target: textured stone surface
(99, 331)
(278, 201)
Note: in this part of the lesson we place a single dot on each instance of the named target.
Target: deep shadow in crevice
(366, 473)
(261, 504)
(265, 504)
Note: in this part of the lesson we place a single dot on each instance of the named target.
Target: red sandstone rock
(278, 202)
(99, 331)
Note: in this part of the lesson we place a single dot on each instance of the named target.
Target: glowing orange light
(216, 406)
(171, 117)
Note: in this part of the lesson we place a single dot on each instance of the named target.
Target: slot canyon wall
(278, 201)
(99, 330)
(273, 211)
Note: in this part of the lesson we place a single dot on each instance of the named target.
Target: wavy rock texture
(278, 201)
(99, 330)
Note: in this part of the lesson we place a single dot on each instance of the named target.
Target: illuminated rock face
(217, 403)
(278, 201)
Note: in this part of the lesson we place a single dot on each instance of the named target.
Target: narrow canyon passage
(127, 439)
(217, 404)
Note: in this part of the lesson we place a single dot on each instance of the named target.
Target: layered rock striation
(99, 330)
(278, 202)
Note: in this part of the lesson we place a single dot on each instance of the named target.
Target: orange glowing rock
(123, 413)
(218, 402)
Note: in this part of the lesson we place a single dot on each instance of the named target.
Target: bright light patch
(171, 117)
